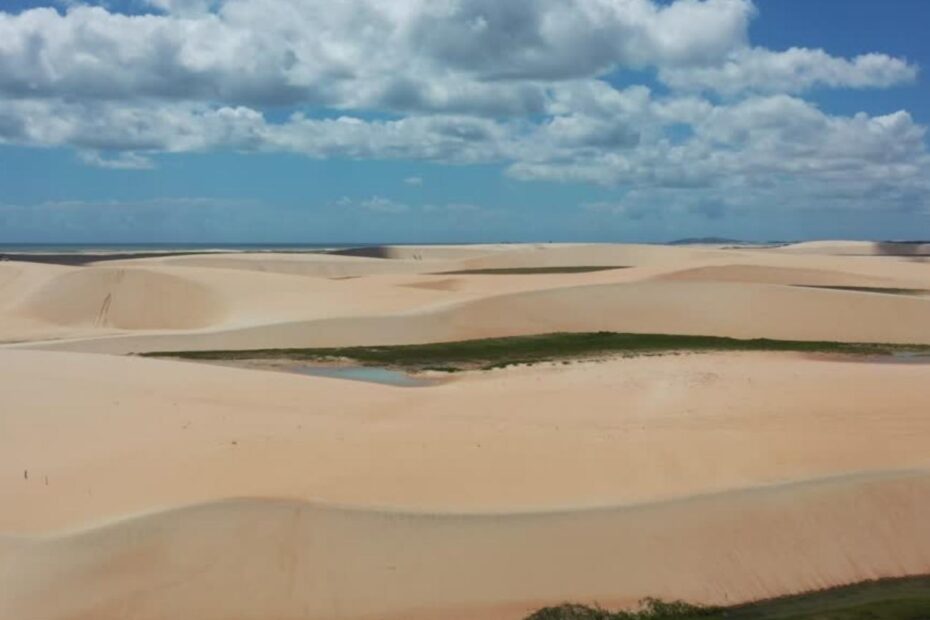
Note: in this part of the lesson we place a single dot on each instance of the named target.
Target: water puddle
(905, 357)
(894, 357)
(369, 374)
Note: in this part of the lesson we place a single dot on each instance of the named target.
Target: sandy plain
(161, 489)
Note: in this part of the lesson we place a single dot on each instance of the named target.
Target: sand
(161, 489)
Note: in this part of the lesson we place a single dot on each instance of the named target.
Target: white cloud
(380, 204)
(609, 137)
(454, 55)
(126, 160)
(792, 71)
(745, 149)
(183, 7)
(455, 209)
(388, 206)
(414, 181)
(619, 209)
(519, 83)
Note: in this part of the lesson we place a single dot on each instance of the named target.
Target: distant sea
(95, 248)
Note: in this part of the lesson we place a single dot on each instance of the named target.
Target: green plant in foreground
(905, 598)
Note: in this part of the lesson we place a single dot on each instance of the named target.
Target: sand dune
(714, 478)
(792, 276)
(739, 310)
(123, 298)
(275, 559)
(590, 254)
(427, 259)
(270, 300)
(20, 279)
(314, 265)
(593, 434)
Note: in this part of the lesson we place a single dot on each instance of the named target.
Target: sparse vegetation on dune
(650, 609)
(532, 270)
(870, 289)
(499, 352)
(890, 599)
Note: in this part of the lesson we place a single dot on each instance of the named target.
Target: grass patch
(499, 352)
(890, 599)
(531, 270)
(870, 289)
(650, 609)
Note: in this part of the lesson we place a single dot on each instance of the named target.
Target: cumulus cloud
(748, 147)
(522, 83)
(183, 7)
(791, 71)
(405, 54)
(126, 160)
(619, 209)
(380, 204)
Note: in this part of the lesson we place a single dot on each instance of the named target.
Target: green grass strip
(498, 352)
(531, 270)
(869, 289)
(905, 598)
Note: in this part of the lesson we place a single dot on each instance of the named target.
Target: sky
(316, 121)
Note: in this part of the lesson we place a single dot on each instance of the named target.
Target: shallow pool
(370, 374)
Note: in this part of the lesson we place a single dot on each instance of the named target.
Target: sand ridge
(298, 560)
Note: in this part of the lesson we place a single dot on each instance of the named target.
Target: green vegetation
(890, 599)
(871, 289)
(499, 352)
(531, 270)
(650, 609)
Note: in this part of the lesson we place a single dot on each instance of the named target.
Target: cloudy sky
(462, 120)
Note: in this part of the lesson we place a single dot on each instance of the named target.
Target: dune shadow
(374, 251)
(918, 251)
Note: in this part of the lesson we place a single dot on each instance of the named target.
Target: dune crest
(248, 559)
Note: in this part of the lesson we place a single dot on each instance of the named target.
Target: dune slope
(257, 559)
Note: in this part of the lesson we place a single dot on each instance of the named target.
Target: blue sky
(281, 121)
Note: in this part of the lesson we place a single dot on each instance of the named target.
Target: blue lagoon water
(369, 374)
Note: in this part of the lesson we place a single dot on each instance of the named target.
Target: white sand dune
(251, 559)
(739, 310)
(314, 265)
(795, 276)
(714, 478)
(120, 436)
(123, 298)
(566, 255)
(342, 263)
(269, 300)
